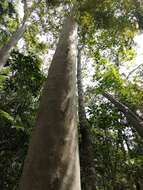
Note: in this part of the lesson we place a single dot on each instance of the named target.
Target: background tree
(88, 177)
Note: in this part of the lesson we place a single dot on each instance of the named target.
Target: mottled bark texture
(87, 157)
(53, 158)
(132, 117)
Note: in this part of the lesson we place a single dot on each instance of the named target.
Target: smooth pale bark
(87, 157)
(4, 51)
(132, 118)
(53, 158)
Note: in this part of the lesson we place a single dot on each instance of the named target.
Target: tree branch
(132, 118)
(131, 72)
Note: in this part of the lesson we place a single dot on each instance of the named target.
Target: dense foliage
(21, 84)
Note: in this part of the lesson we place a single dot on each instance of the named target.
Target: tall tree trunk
(132, 118)
(87, 157)
(53, 158)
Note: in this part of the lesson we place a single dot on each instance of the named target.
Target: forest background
(109, 86)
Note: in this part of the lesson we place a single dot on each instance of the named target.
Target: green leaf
(6, 115)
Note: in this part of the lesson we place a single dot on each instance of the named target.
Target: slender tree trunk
(18, 33)
(53, 158)
(87, 157)
(132, 118)
(4, 51)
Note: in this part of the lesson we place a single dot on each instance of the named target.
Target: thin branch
(25, 9)
(131, 72)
